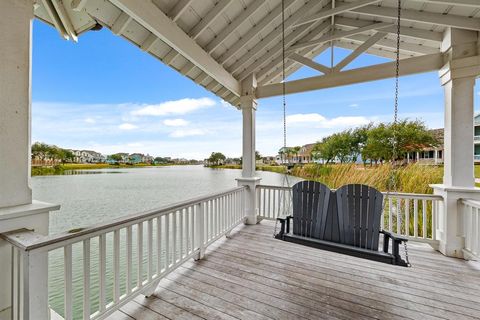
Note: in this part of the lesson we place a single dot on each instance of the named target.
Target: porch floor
(253, 276)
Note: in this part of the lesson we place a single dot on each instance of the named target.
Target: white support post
(458, 79)
(249, 106)
(35, 280)
(17, 210)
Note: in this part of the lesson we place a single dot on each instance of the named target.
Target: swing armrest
(396, 240)
(284, 225)
(387, 235)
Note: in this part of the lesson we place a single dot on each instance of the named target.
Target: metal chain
(284, 105)
(397, 84)
(406, 254)
(393, 178)
(275, 229)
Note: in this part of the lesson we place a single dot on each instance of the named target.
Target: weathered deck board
(253, 276)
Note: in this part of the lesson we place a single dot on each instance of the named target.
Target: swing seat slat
(345, 221)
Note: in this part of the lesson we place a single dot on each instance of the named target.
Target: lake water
(88, 197)
(93, 196)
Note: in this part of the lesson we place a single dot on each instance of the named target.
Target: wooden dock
(253, 276)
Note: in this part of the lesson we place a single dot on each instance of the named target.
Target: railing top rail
(420, 196)
(266, 186)
(470, 202)
(28, 240)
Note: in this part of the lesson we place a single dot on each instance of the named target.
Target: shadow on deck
(253, 276)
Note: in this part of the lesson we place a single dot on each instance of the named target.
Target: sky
(105, 94)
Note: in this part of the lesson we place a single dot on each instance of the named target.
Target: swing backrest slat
(351, 215)
(310, 203)
(360, 209)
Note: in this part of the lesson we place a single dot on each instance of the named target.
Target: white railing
(471, 228)
(411, 215)
(105, 266)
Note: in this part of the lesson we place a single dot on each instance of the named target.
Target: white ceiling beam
(277, 49)
(448, 20)
(361, 49)
(196, 31)
(310, 63)
(55, 19)
(253, 32)
(65, 19)
(121, 23)
(326, 13)
(380, 52)
(404, 31)
(292, 66)
(338, 35)
(378, 72)
(154, 20)
(392, 44)
(466, 3)
(211, 16)
(313, 34)
(179, 8)
(274, 35)
(78, 5)
(234, 25)
(148, 43)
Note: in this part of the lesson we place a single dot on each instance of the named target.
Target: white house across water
(234, 49)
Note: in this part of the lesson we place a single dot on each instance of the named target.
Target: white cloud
(175, 122)
(187, 133)
(90, 120)
(182, 106)
(127, 126)
(305, 117)
(319, 121)
(354, 105)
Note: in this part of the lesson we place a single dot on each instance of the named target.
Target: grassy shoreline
(413, 178)
(63, 168)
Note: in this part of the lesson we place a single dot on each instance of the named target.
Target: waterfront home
(140, 266)
(87, 156)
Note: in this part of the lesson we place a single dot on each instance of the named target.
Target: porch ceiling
(218, 43)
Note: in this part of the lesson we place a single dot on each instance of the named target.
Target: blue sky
(105, 94)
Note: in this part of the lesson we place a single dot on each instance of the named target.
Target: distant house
(136, 158)
(429, 154)
(304, 155)
(87, 156)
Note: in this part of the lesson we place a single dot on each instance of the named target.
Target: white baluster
(68, 279)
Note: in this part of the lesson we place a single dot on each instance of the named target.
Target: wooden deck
(253, 276)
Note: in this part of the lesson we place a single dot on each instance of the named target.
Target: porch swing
(347, 220)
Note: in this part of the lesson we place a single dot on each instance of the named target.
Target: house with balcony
(213, 257)
(434, 154)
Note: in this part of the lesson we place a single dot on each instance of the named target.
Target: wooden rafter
(361, 49)
(339, 35)
(410, 66)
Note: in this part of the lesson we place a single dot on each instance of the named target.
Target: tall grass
(412, 178)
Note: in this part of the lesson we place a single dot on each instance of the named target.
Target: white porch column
(249, 107)
(17, 210)
(458, 79)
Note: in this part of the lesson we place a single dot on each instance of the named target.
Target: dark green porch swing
(347, 220)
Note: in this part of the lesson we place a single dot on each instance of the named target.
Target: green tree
(40, 150)
(115, 157)
(258, 156)
(217, 158)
